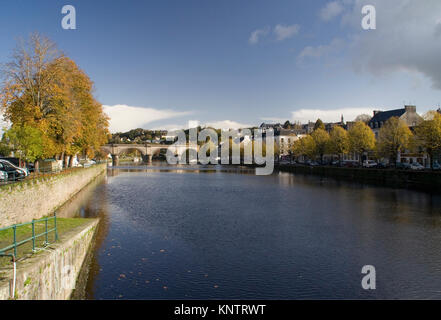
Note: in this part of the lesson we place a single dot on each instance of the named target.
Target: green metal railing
(16, 243)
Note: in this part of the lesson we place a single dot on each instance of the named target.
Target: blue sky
(159, 64)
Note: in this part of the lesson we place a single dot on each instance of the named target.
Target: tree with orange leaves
(44, 89)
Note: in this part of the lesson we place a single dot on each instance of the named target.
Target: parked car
(14, 173)
(3, 176)
(10, 166)
(351, 164)
(436, 166)
(416, 166)
(382, 165)
(369, 164)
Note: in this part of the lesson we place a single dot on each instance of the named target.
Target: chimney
(411, 109)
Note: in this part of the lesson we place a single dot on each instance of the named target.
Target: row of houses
(285, 138)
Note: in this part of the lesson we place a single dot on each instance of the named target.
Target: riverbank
(423, 180)
(33, 199)
(51, 274)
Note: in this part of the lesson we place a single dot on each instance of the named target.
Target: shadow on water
(90, 202)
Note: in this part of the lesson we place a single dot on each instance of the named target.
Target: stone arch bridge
(147, 150)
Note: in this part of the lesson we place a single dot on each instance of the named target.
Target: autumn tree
(394, 137)
(46, 90)
(321, 140)
(361, 138)
(339, 141)
(428, 135)
(305, 147)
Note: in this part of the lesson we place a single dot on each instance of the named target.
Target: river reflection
(209, 233)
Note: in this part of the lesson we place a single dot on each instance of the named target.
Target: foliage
(26, 141)
(321, 139)
(287, 125)
(428, 135)
(394, 137)
(47, 91)
(339, 141)
(305, 147)
(319, 125)
(361, 138)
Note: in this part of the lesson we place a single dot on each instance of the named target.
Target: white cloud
(335, 46)
(280, 31)
(331, 10)
(407, 38)
(274, 119)
(349, 114)
(221, 124)
(227, 124)
(284, 32)
(257, 34)
(124, 118)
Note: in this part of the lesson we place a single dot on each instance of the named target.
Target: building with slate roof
(408, 114)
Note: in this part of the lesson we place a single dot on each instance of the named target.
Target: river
(225, 233)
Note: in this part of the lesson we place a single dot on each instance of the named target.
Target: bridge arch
(147, 150)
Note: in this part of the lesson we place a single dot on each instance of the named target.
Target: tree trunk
(36, 167)
(66, 161)
(70, 164)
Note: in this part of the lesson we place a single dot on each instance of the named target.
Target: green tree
(319, 125)
(5, 149)
(26, 141)
(321, 139)
(361, 139)
(394, 137)
(428, 135)
(339, 141)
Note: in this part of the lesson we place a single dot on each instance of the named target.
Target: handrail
(34, 236)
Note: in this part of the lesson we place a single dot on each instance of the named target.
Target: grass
(64, 225)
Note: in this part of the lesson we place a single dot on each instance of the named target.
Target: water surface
(170, 233)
